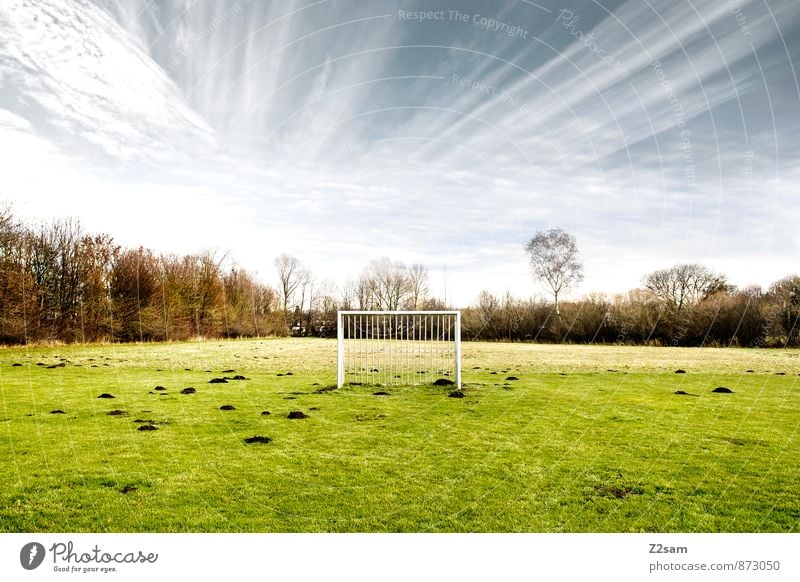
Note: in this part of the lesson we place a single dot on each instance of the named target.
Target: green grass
(569, 447)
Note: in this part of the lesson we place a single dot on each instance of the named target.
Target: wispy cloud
(655, 131)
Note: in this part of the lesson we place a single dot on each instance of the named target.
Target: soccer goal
(398, 347)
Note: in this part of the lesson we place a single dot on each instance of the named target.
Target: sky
(445, 133)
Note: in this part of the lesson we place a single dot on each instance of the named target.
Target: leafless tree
(418, 285)
(683, 286)
(290, 278)
(388, 283)
(553, 256)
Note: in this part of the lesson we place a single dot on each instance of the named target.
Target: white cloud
(298, 128)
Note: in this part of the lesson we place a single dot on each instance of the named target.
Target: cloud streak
(654, 131)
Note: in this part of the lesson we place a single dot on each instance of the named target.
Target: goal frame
(340, 339)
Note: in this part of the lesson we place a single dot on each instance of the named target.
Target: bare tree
(290, 278)
(683, 286)
(306, 296)
(785, 297)
(553, 256)
(388, 283)
(134, 285)
(418, 285)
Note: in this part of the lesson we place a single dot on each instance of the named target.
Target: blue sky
(341, 131)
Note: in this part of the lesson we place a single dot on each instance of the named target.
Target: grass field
(588, 439)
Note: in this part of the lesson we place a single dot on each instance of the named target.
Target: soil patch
(296, 414)
(57, 412)
(381, 393)
(682, 393)
(117, 413)
(263, 440)
(189, 390)
(106, 395)
(265, 413)
(680, 371)
(512, 378)
(147, 427)
(456, 394)
(617, 491)
(227, 407)
(128, 489)
(443, 382)
(722, 390)
(218, 381)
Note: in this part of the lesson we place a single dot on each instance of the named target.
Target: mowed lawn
(586, 439)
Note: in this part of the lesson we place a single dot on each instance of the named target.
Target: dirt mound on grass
(117, 413)
(456, 394)
(722, 390)
(682, 393)
(265, 413)
(443, 382)
(238, 378)
(381, 393)
(128, 489)
(227, 407)
(147, 427)
(57, 412)
(512, 378)
(189, 390)
(617, 491)
(296, 414)
(263, 440)
(679, 371)
(218, 381)
(106, 395)
(159, 388)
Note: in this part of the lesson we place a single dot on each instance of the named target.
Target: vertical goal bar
(457, 336)
(340, 350)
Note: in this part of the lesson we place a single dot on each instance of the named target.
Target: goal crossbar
(398, 347)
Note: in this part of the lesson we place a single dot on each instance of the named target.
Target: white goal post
(398, 347)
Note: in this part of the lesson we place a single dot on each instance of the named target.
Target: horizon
(340, 133)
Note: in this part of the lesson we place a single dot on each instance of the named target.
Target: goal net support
(398, 347)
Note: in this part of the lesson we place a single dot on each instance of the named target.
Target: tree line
(59, 283)
(748, 317)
